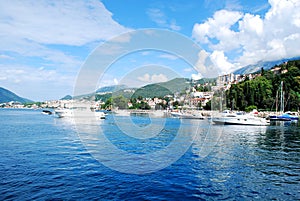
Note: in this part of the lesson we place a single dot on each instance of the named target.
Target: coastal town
(262, 92)
(193, 98)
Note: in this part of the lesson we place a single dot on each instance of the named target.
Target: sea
(43, 157)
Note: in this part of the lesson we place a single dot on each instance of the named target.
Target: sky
(45, 43)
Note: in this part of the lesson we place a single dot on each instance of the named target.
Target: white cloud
(158, 16)
(146, 78)
(116, 81)
(196, 76)
(36, 84)
(58, 22)
(174, 26)
(218, 28)
(4, 56)
(220, 61)
(56, 35)
(29, 27)
(250, 38)
(168, 56)
(158, 78)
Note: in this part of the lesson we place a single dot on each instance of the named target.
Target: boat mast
(281, 98)
(276, 102)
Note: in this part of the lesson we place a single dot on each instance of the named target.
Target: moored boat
(186, 115)
(239, 118)
(73, 112)
(287, 116)
(48, 112)
(283, 116)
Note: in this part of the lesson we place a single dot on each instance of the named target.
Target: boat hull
(61, 113)
(220, 122)
(246, 121)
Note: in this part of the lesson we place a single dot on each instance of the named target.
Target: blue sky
(44, 44)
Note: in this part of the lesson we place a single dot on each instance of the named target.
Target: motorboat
(47, 112)
(64, 112)
(239, 118)
(286, 116)
(76, 112)
(186, 115)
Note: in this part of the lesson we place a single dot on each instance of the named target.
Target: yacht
(72, 112)
(64, 112)
(239, 118)
(186, 115)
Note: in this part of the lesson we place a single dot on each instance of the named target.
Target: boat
(75, 112)
(239, 118)
(186, 115)
(64, 112)
(47, 112)
(100, 115)
(283, 116)
(286, 116)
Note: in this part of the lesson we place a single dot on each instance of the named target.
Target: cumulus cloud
(218, 28)
(196, 76)
(29, 27)
(250, 38)
(58, 22)
(221, 62)
(155, 78)
(50, 33)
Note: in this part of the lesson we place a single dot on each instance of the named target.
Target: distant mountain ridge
(262, 64)
(67, 97)
(8, 96)
(172, 86)
(163, 88)
(113, 88)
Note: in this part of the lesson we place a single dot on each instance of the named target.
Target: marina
(150, 100)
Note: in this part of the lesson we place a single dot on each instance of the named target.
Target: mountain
(262, 64)
(164, 88)
(109, 89)
(151, 90)
(67, 97)
(7, 96)
(261, 92)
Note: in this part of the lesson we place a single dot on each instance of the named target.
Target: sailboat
(283, 116)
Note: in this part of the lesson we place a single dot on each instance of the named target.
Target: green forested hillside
(263, 90)
(163, 89)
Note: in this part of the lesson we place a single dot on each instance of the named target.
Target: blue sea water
(45, 158)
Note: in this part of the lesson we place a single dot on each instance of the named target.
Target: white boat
(186, 115)
(239, 118)
(64, 112)
(75, 112)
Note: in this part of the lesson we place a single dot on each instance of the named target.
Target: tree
(120, 102)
